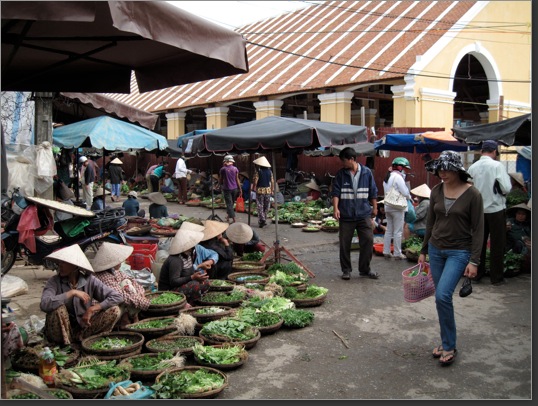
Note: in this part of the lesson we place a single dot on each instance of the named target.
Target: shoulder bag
(395, 199)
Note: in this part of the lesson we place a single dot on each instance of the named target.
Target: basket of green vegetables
(225, 356)
(114, 343)
(164, 303)
(146, 367)
(249, 277)
(174, 343)
(228, 330)
(204, 314)
(190, 382)
(153, 327)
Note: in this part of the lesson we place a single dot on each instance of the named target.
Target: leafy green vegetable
(143, 325)
(223, 297)
(175, 384)
(228, 329)
(257, 319)
(272, 305)
(110, 343)
(151, 362)
(252, 256)
(226, 354)
(297, 318)
(312, 291)
(173, 345)
(166, 298)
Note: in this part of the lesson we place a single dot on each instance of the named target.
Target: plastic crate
(142, 256)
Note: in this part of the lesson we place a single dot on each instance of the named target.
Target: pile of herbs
(174, 385)
(151, 362)
(145, 325)
(286, 279)
(110, 343)
(166, 298)
(93, 374)
(297, 318)
(223, 297)
(275, 304)
(311, 292)
(290, 268)
(228, 329)
(250, 278)
(210, 310)
(172, 344)
(252, 256)
(256, 318)
(226, 354)
(220, 282)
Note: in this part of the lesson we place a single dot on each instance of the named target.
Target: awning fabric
(513, 131)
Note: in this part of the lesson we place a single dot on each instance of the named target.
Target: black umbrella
(93, 46)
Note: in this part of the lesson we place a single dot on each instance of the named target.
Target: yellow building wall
(508, 50)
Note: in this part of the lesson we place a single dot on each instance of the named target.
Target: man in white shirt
(492, 180)
(180, 174)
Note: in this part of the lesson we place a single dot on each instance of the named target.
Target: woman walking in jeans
(230, 185)
(453, 241)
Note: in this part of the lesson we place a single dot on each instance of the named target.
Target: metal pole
(43, 126)
(276, 203)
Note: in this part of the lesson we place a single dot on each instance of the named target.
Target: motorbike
(106, 225)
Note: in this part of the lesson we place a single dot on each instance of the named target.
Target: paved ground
(385, 349)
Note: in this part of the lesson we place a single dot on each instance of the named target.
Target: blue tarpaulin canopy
(107, 133)
(416, 143)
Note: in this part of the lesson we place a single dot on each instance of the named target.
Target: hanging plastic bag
(240, 205)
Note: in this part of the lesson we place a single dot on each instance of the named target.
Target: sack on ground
(417, 283)
(395, 199)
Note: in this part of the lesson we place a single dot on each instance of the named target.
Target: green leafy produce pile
(252, 256)
(226, 354)
(220, 282)
(93, 375)
(228, 329)
(311, 292)
(173, 345)
(27, 395)
(290, 268)
(223, 297)
(166, 298)
(175, 384)
(297, 318)
(249, 278)
(210, 310)
(110, 343)
(275, 304)
(151, 362)
(257, 319)
(285, 279)
(143, 325)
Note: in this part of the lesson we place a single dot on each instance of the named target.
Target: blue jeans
(447, 267)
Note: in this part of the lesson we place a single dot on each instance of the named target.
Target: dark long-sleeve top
(461, 228)
(174, 274)
(421, 212)
(115, 173)
(55, 294)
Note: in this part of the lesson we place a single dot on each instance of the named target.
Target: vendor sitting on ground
(518, 228)
(214, 240)
(245, 240)
(185, 269)
(132, 206)
(314, 192)
(418, 227)
(77, 305)
(157, 209)
(106, 265)
(167, 184)
(99, 202)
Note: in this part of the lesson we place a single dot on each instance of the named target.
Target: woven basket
(135, 338)
(215, 288)
(316, 301)
(248, 266)
(114, 357)
(24, 361)
(155, 310)
(77, 393)
(250, 343)
(171, 339)
(262, 277)
(266, 330)
(150, 333)
(202, 317)
(144, 375)
(199, 395)
(417, 288)
(243, 357)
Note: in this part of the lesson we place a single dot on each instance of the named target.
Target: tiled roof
(335, 44)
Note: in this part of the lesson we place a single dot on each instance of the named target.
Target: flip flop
(437, 351)
(450, 360)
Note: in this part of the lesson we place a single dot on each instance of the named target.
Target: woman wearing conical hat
(77, 304)
(264, 186)
(214, 240)
(106, 265)
(185, 269)
(418, 227)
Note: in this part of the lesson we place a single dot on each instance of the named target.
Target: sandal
(451, 357)
(437, 351)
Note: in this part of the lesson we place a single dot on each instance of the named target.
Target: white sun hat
(133, 193)
(214, 228)
(422, 191)
(228, 158)
(109, 255)
(262, 161)
(184, 240)
(239, 233)
(72, 255)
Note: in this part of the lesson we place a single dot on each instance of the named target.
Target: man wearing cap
(230, 185)
(115, 173)
(180, 174)
(492, 180)
(87, 178)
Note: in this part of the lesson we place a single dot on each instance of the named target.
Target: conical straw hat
(157, 198)
(184, 240)
(214, 228)
(239, 233)
(99, 192)
(313, 185)
(110, 255)
(422, 191)
(518, 177)
(262, 161)
(189, 225)
(72, 255)
(116, 161)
